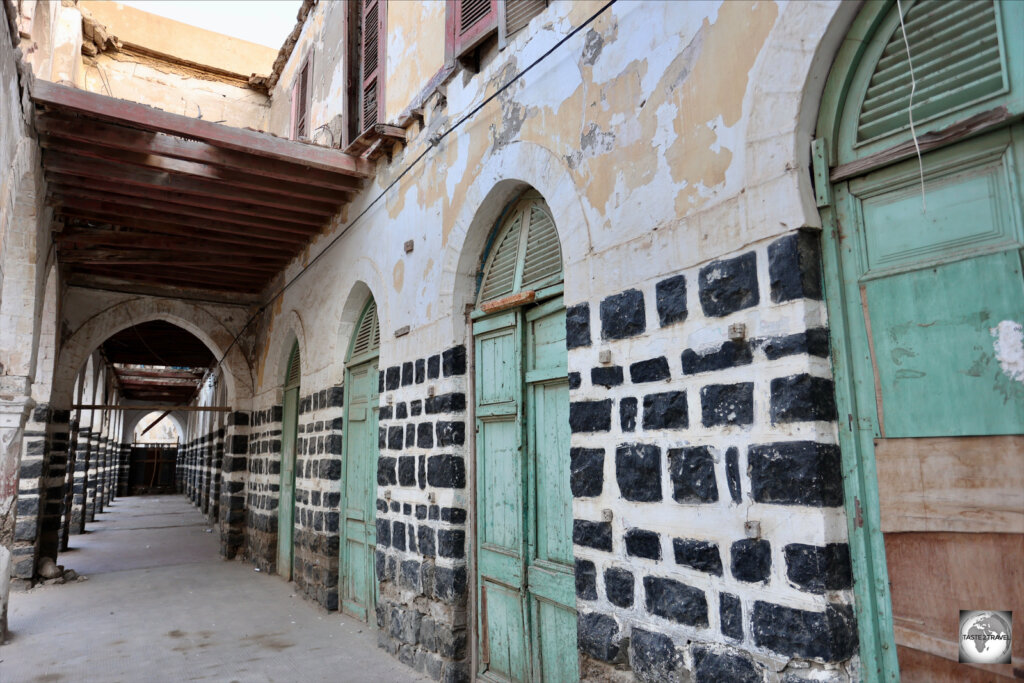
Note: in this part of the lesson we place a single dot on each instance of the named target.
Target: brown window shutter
(514, 15)
(302, 103)
(374, 39)
(469, 23)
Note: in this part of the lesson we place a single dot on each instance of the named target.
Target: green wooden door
(286, 499)
(525, 586)
(359, 484)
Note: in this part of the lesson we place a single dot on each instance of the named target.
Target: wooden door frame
(350, 363)
(294, 391)
(858, 429)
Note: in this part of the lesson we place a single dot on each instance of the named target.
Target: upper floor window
(300, 101)
(470, 22)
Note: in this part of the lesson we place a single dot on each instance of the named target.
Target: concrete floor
(160, 605)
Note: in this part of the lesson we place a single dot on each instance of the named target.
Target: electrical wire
(434, 142)
(910, 106)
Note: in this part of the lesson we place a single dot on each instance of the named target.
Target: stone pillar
(232, 491)
(53, 489)
(31, 494)
(14, 410)
(69, 481)
(79, 481)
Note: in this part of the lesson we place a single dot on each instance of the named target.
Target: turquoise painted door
(286, 499)
(934, 304)
(359, 486)
(525, 585)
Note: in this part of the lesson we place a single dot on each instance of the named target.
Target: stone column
(14, 410)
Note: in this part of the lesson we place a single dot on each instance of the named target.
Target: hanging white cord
(910, 107)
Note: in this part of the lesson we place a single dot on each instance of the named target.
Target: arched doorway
(525, 580)
(924, 287)
(286, 498)
(360, 452)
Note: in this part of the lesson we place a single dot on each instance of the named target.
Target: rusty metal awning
(148, 200)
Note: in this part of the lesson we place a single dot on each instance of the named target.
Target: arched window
(525, 254)
(294, 368)
(366, 341)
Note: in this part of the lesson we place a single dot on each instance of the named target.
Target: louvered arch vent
(526, 253)
(294, 368)
(367, 337)
(957, 56)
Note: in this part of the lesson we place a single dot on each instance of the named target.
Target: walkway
(160, 605)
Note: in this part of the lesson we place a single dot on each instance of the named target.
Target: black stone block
(592, 534)
(654, 658)
(675, 601)
(425, 435)
(693, 475)
(627, 414)
(382, 438)
(415, 407)
(445, 403)
(451, 543)
(730, 615)
(586, 580)
(577, 326)
(829, 636)
(618, 584)
(729, 355)
(802, 397)
(453, 361)
(652, 370)
(796, 473)
(407, 470)
(330, 468)
(383, 533)
(638, 472)
(670, 295)
(574, 380)
(713, 667)
(727, 404)
(794, 267)
(643, 543)
(395, 438)
(606, 376)
(450, 584)
(421, 371)
(386, 471)
(434, 367)
(410, 435)
(451, 433)
(598, 635)
(590, 416)
(398, 535)
(814, 342)
(729, 285)
(380, 381)
(586, 474)
(819, 568)
(426, 540)
(385, 413)
(401, 412)
(700, 555)
(453, 515)
(751, 560)
(666, 410)
(732, 473)
(421, 474)
(623, 315)
(446, 471)
(393, 378)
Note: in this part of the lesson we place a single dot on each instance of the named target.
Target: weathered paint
(413, 53)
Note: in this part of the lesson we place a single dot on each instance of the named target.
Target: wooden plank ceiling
(146, 200)
(158, 361)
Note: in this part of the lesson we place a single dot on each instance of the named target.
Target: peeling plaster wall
(414, 52)
(667, 139)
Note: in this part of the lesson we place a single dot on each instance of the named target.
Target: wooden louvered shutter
(301, 103)
(374, 37)
(957, 58)
(526, 253)
(294, 368)
(469, 22)
(367, 337)
(514, 15)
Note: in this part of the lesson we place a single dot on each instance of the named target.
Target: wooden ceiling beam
(223, 275)
(173, 374)
(129, 139)
(113, 212)
(311, 220)
(195, 293)
(77, 236)
(230, 284)
(201, 172)
(119, 258)
(64, 98)
(116, 174)
(156, 205)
